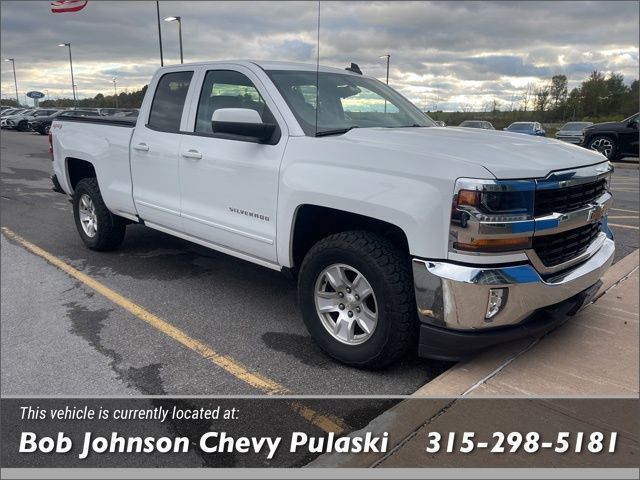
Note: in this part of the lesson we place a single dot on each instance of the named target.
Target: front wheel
(22, 126)
(99, 229)
(356, 294)
(605, 145)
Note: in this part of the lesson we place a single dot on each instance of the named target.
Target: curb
(403, 419)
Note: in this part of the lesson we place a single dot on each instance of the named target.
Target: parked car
(10, 121)
(477, 124)
(440, 123)
(10, 111)
(613, 139)
(43, 124)
(234, 156)
(21, 122)
(572, 132)
(529, 128)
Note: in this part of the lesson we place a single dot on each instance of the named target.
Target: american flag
(66, 6)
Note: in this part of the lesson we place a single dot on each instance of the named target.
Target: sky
(444, 55)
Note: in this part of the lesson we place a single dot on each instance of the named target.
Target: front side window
(228, 89)
(345, 101)
(168, 101)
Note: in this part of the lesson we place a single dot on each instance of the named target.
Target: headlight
(492, 216)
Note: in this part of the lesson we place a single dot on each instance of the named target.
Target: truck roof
(268, 65)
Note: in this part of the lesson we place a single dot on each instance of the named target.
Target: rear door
(230, 185)
(155, 152)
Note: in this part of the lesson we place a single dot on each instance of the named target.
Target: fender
(370, 182)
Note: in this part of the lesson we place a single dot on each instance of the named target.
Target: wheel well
(79, 169)
(314, 223)
(609, 135)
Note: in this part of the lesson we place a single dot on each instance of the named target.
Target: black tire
(110, 228)
(22, 126)
(44, 130)
(604, 139)
(388, 271)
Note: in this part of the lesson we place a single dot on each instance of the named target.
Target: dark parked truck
(613, 139)
(403, 236)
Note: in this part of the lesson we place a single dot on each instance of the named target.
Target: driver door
(229, 185)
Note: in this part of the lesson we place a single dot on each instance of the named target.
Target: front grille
(562, 247)
(567, 199)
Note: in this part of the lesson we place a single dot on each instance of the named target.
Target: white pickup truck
(403, 235)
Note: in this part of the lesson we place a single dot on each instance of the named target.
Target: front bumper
(452, 300)
(571, 139)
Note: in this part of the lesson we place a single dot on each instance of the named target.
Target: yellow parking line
(328, 423)
(623, 226)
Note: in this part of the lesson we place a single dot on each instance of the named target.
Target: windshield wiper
(337, 131)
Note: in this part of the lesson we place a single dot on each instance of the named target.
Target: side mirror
(633, 124)
(243, 122)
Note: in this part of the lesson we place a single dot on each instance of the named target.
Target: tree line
(598, 97)
(124, 99)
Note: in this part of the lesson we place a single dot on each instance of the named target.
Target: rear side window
(168, 101)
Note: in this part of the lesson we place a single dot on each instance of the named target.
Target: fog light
(497, 301)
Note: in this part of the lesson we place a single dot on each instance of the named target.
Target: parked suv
(21, 122)
(43, 124)
(9, 120)
(613, 139)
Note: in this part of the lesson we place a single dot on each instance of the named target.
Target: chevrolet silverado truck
(402, 236)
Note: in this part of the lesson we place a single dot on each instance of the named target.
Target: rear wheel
(605, 145)
(99, 229)
(22, 126)
(44, 130)
(356, 295)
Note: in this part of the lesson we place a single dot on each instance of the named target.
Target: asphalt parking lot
(239, 322)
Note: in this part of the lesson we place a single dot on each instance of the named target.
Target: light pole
(179, 20)
(73, 84)
(15, 82)
(115, 91)
(159, 33)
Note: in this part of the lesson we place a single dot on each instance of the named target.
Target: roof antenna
(318, 71)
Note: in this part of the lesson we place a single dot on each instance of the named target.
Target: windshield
(576, 126)
(520, 127)
(632, 118)
(346, 101)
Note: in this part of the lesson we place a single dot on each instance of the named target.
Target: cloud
(444, 53)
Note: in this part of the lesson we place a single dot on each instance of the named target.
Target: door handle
(143, 147)
(192, 154)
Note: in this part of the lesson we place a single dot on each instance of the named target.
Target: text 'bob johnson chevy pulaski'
(210, 442)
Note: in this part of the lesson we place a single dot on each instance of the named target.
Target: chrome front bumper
(455, 296)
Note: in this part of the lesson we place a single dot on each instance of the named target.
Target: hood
(506, 155)
(604, 125)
